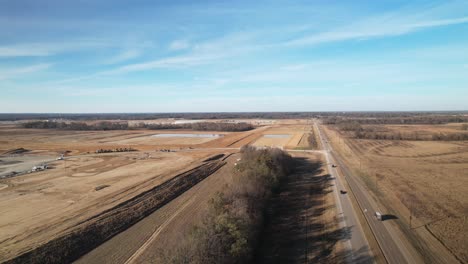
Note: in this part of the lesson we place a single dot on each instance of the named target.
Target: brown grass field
(427, 179)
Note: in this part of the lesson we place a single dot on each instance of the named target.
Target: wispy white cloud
(202, 53)
(179, 45)
(47, 49)
(124, 56)
(23, 51)
(12, 73)
(406, 20)
(170, 62)
(383, 26)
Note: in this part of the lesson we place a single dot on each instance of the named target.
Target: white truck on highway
(378, 215)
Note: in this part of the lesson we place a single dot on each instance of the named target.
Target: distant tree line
(211, 126)
(426, 119)
(411, 136)
(106, 125)
(77, 125)
(231, 226)
(201, 126)
(362, 132)
(246, 115)
(349, 125)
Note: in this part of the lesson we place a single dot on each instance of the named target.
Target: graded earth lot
(51, 202)
(425, 179)
(89, 141)
(48, 203)
(284, 136)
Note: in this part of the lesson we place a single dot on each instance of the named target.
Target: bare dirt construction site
(87, 198)
(423, 184)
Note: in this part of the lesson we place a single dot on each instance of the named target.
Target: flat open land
(36, 207)
(143, 201)
(425, 179)
(285, 136)
(54, 202)
(89, 141)
(47, 203)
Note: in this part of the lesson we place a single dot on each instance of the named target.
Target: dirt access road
(394, 249)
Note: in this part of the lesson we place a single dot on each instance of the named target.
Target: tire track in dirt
(158, 231)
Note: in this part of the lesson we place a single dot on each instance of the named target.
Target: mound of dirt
(16, 151)
(215, 157)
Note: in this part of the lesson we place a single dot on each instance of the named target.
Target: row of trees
(231, 227)
(106, 125)
(374, 132)
(312, 140)
(410, 136)
(152, 116)
(115, 150)
(417, 119)
(261, 115)
(349, 126)
(201, 126)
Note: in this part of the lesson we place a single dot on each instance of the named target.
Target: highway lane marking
(343, 223)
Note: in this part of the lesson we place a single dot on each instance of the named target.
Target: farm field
(424, 179)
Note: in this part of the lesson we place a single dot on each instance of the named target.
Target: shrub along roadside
(230, 229)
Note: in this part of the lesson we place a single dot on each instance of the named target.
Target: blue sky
(209, 56)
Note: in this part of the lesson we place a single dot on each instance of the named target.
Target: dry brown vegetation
(301, 224)
(230, 229)
(445, 132)
(426, 179)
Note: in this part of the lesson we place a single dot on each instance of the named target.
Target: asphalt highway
(393, 250)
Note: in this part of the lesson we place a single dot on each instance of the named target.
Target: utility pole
(411, 212)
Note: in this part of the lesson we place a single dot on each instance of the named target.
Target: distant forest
(106, 125)
(397, 120)
(354, 128)
(247, 115)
